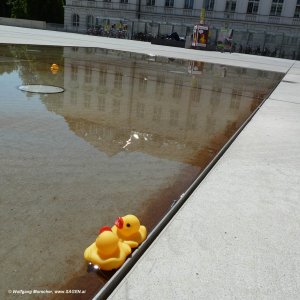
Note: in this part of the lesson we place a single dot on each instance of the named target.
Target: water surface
(129, 134)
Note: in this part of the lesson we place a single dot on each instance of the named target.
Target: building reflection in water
(121, 101)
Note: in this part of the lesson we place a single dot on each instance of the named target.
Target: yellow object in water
(129, 230)
(54, 68)
(108, 252)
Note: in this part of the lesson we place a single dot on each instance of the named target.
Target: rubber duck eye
(128, 225)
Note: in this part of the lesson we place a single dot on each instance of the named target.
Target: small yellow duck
(54, 68)
(129, 230)
(108, 252)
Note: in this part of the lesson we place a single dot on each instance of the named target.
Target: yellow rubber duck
(108, 252)
(129, 230)
(54, 68)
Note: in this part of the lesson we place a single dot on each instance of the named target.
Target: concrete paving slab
(237, 236)
(289, 88)
(291, 78)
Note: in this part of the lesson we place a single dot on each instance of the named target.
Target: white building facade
(272, 24)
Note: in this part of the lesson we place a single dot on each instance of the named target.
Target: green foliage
(8, 64)
(51, 11)
(18, 8)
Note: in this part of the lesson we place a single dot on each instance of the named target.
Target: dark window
(150, 2)
(232, 6)
(188, 4)
(169, 3)
(118, 80)
(174, 117)
(89, 21)
(209, 5)
(252, 7)
(101, 103)
(159, 89)
(140, 110)
(297, 10)
(75, 20)
(116, 105)
(156, 114)
(74, 72)
(177, 90)
(88, 74)
(143, 83)
(87, 101)
(276, 8)
(102, 77)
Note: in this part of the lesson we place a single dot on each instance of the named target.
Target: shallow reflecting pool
(129, 134)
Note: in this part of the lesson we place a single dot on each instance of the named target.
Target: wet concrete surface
(129, 135)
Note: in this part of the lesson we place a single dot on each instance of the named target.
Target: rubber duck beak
(119, 222)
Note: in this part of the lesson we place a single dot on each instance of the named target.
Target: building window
(297, 10)
(188, 4)
(118, 80)
(293, 41)
(73, 98)
(143, 83)
(232, 5)
(102, 77)
(252, 7)
(215, 97)
(101, 103)
(209, 5)
(276, 8)
(140, 109)
(235, 99)
(177, 90)
(74, 72)
(150, 2)
(89, 50)
(75, 20)
(124, 1)
(87, 101)
(159, 89)
(169, 3)
(192, 121)
(195, 94)
(174, 116)
(116, 106)
(90, 21)
(88, 74)
(157, 114)
(210, 124)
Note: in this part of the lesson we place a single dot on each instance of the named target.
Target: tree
(51, 11)
(18, 8)
(48, 10)
(4, 9)
(55, 9)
